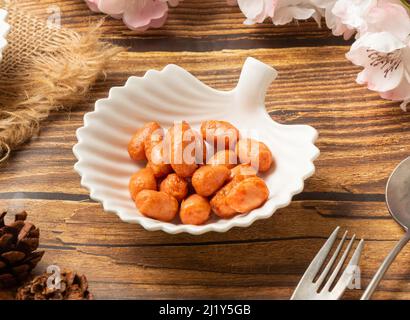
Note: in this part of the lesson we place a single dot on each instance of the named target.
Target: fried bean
(175, 186)
(136, 146)
(185, 146)
(247, 195)
(256, 153)
(226, 158)
(195, 210)
(244, 170)
(209, 179)
(155, 153)
(218, 202)
(221, 134)
(157, 205)
(159, 168)
(144, 179)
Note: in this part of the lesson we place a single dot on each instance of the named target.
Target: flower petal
(406, 60)
(93, 5)
(154, 13)
(379, 41)
(403, 106)
(383, 71)
(323, 3)
(251, 8)
(389, 17)
(352, 12)
(287, 14)
(112, 6)
(400, 93)
(378, 79)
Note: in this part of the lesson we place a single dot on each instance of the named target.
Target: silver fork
(307, 288)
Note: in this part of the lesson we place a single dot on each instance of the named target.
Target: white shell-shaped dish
(173, 94)
(4, 30)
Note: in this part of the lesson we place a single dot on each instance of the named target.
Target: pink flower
(384, 52)
(136, 14)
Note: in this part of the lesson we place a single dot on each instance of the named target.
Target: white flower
(256, 11)
(384, 52)
(287, 10)
(345, 17)
(353, 13)
(280, 11)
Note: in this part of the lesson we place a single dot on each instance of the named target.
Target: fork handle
(385, 265)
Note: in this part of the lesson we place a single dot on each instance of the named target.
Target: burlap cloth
(43, 69)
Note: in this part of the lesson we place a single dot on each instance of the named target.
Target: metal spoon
(398, 203)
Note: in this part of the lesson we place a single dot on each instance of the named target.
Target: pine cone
(18, 242)
(72, 287)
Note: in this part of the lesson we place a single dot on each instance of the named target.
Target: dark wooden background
(362, 139)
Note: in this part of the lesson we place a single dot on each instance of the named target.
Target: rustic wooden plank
(82, 223)
(193, 25)
(124, 261)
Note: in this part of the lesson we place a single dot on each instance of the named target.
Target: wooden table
(362, 139)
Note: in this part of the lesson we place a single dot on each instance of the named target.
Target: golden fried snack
(155, 153)
(175, 186)
(136, 146)
(157, 205)
(204, 152)
(218, 202)
(144, 179)
(244, 170)
(209, 179)
(220, 134)
(256, 153)
(247, 195)
(158, 165)
(195, 210)
(185, 146)
(153, 139)
(183, 150)
(226, 158)
(198, 150)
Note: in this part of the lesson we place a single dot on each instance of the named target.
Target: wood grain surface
(362, 138)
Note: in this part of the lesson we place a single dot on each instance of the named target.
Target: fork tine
(307, 289)
(320, 257)
(331, 261)
(339, 265)
(347, 275)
